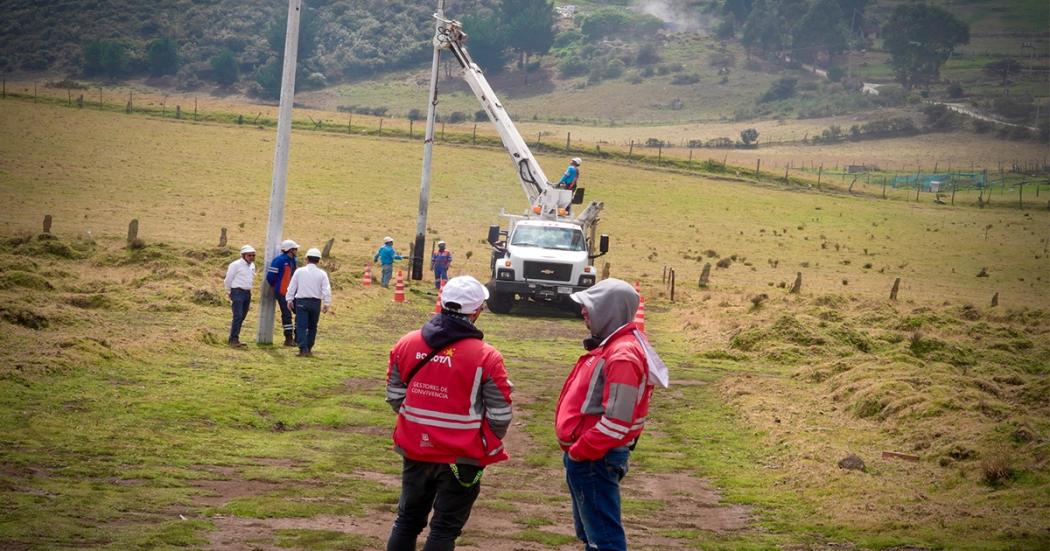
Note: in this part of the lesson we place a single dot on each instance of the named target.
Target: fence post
(659, 152)
(820, 174)
(3, 94)
(222, 238)
(785, 174)
(133, 230)
(896, 287)
(178, 112)
(47, 223)
(1020, 196)
(918, 186)
(34, 92)
(797, 286)
(69, 98)
(884, 186)
(411, 125)
(630, 150)
(442, 131)
(705, 276)
(380, 126)
(194, 108)
(758, 166)
(474, 136)
(568, 140)
(327, 251)
(539, 135)
(99, 98)
(690, 155)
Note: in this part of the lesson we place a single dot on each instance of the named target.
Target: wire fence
(1029, 180)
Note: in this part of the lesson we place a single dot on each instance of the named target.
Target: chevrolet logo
(547, 271)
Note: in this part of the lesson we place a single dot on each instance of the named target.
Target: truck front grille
(548, 271)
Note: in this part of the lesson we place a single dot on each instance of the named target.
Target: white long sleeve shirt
(310, 282)
(240, 275)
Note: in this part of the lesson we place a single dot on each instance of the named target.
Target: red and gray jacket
(605, 399)
(456, 408)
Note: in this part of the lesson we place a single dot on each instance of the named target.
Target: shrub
(224, 68)
(415, 115)
(749, 136)
(982, 126)
(687, 78)
(955, 90)
(480, 115)
(647, 54)
(614, 69)
(162, 57)
(780, 89)
(104, 57)
(315, 81)
(835, 74)
(725, 29)
(567, 38)
(572, 66)
(456, 117)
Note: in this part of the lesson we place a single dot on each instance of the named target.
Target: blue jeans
(307, 313)
(241, 301)
(440, 273)
(595, 490)
(426, 486)
(387, 270)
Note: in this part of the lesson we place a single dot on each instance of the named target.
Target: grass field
(130, 425)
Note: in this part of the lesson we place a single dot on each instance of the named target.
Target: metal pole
(275, 226)
(428, 147)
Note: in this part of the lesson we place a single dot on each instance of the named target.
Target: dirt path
(521, 507)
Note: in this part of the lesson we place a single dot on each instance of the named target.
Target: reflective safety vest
(605, 399)
(456, 408)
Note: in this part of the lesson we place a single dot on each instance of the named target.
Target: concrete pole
(428, 147)
(275, 226)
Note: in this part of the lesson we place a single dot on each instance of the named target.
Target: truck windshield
(547, 237)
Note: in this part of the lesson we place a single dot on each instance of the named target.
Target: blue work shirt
(568, 180)
(386, 255)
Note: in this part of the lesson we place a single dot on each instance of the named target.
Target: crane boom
(551, 201)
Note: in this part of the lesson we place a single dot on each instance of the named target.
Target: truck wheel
(499, 303)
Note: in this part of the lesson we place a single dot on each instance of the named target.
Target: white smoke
(679, 15)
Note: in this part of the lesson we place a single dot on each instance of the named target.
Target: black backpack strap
(419, 365)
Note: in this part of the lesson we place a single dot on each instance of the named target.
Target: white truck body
(547, 253)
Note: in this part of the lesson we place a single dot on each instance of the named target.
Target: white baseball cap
(577, 160)
(288, 245)
(466, 293)
(247, 249)
(388, 239)
(313, 253)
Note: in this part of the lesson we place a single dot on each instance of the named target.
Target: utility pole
(428, 148)
(275, 226)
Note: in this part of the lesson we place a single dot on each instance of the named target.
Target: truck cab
(540, 260)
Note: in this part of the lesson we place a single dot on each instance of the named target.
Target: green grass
(122, 413)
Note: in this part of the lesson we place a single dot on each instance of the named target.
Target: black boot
(289, 340)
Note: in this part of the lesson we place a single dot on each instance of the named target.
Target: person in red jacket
(602, 409)
(452, 396)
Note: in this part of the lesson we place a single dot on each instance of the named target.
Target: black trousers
(426, 486)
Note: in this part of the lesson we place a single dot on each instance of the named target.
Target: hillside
(649, 62)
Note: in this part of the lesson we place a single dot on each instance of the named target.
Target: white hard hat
(577, 160)
(313, 253)
(467, 293)
(288, 245)
(388, 239)
(247, 249)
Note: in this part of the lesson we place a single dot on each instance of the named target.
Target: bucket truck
(546, 253)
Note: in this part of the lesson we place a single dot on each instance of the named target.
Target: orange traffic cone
(399, 288)
(367, 280)
(437, 305)
(639, 316)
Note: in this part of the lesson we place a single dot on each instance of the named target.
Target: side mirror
(577, 196)
(603, 243)
(493, 234)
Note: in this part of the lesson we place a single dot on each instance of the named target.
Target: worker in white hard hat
(439, 263)
(386, 255)
(310, 293)
(453, 402)
(572, 174)
(240, 276)
(278, 275)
